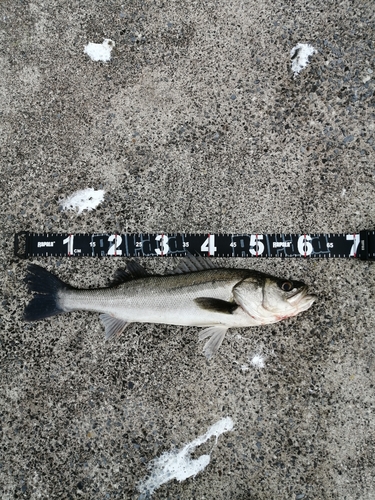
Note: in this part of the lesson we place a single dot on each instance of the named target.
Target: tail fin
(46, 287)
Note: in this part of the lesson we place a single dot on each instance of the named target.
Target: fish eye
(286, 286)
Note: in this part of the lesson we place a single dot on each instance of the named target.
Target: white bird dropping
(100, 51)
(86, 199)
(300, 57)
(178, 464)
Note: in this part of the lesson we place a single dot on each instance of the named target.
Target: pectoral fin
(113, 326)
(216, 334)
(216, 305)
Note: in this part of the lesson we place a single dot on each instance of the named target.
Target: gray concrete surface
(196, 124)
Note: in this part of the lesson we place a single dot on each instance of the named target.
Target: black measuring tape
(357, 245)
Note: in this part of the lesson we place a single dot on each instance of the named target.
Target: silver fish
(196, 293)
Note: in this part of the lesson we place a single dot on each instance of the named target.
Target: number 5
(254, 242)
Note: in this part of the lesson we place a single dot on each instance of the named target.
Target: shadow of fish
(196, 293)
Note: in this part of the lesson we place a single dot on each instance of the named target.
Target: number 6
(304, 246)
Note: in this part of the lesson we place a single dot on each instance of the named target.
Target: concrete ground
(196, 124)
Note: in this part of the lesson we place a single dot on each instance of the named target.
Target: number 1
(70, 242)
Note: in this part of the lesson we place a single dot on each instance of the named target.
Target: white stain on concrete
(258, 360)
(86, 199)
(300, 56)
(178, 464)
(100, 51)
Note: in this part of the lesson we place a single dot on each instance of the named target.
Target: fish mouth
(302, 300)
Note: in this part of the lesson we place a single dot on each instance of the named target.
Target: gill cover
(267, 299)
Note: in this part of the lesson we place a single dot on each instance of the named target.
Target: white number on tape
(116, 240)
(355, 239)
(70, 242)
(256, 246)
(209, 245)
(163, 238)
(304, 246)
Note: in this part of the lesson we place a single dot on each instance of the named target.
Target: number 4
(209, 245)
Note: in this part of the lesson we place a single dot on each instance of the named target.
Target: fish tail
(46, 287)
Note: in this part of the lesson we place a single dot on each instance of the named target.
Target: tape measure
(357, 245)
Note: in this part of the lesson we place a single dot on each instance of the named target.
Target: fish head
(268, 299)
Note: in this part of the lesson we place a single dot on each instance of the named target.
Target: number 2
(113, 249)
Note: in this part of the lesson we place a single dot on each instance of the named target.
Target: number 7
(355, 238)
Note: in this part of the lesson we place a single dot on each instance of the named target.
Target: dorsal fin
(136, 270)
(190, 264)
(132, 271)
(121, 276)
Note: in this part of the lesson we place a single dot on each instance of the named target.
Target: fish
(196, 293)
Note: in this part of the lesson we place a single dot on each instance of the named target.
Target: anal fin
(113, 326)
(216, 334)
